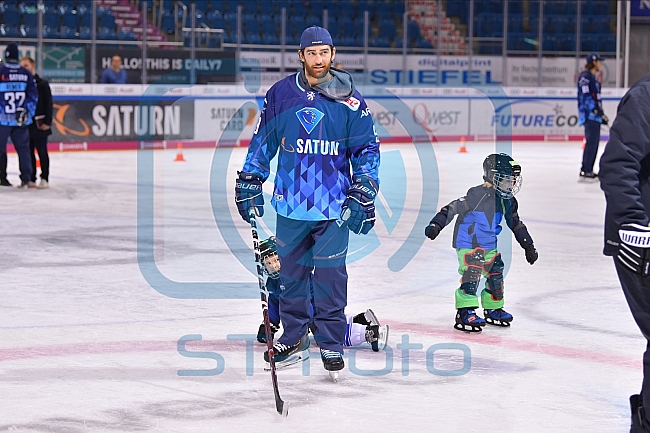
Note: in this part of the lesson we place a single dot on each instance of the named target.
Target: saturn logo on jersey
(309, 118)
(314, 147)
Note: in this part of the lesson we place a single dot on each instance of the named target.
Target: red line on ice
(536, 347)
(397, 328)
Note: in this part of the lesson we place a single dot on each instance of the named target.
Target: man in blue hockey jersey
(325, 185)
(591, 114)
(18, 98)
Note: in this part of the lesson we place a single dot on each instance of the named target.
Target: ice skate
(588, 177)
(284, 355)
(377, 336)
(261, 333)
(498, 317)
(467, 321)
(333, 363)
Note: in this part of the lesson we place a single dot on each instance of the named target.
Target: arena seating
(597, 24)
(72, 19)
(120, 20)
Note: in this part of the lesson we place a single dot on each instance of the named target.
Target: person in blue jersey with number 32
(325, 186)
(18, 97)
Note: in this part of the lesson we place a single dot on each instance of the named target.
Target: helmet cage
(270, 258)
(506, 185)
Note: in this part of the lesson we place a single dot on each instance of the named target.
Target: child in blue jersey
(18, 97)
(360, 329)
(325, 186)
(480, 213)
(591, 114)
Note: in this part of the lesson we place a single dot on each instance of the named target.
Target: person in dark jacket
(480, 213)
(625, 179)
(41, 127)
(590, 114)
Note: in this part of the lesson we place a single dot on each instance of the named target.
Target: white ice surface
(86, 344)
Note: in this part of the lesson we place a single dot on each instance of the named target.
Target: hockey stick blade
(281, 406)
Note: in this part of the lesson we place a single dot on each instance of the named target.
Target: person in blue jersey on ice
(590, 114)
(18, 98)
(325, 186)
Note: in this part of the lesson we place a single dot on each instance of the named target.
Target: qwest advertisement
(480, 117)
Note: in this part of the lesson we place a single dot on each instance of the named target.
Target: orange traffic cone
(462, 149)
(179, 153)
(38, 160)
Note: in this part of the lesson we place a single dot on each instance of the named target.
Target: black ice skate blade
(293, 360)
(468, 329)
(334, 375)
(498, 323)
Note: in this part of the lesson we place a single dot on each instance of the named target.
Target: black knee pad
(469, 288)
(495, 279)
(474, 260)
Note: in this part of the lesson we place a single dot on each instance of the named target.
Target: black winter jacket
(44, 107)
(625, 164)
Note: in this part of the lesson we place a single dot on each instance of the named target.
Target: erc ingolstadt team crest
(309, 118)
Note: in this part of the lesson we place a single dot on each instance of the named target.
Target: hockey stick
(281, 406)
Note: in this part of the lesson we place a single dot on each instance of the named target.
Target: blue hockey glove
(248, 194)
(634, 249)
(359, 206)
(432, 230)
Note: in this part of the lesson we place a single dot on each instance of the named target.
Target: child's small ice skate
(498, 317)
(377, 336)
(467, 321)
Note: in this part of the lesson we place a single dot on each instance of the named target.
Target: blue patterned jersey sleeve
(264, 144)
(363, 143)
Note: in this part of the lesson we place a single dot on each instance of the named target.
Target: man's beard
(318, 75)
